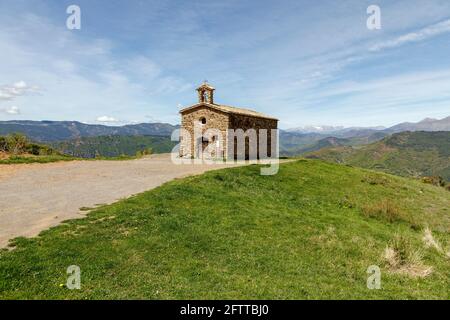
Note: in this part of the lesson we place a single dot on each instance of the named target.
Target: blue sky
(305, 62)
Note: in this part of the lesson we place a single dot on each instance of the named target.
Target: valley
(410, 154)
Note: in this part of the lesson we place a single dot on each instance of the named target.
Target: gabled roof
(229, 109)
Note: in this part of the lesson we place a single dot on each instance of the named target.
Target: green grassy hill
(311, 231)
(407, 154)
(114, 146)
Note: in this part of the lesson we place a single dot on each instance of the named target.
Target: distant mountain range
(48, 131)
(66, 130)
(330, 129)
(427, 124)
(307, 139)
(316, 129)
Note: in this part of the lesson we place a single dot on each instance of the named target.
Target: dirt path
(34, 197)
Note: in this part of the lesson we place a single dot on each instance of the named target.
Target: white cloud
(422, 34)
(20, 85)
(11, 110)
(107, 119)
(20, 88)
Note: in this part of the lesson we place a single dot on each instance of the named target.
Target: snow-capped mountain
(316, 129)
(331, 129)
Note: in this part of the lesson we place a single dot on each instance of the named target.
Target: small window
(203, 120)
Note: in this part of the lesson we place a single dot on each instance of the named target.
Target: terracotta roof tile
(229, 109)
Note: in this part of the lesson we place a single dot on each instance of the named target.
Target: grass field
(309, 232)
(21, 159)
(35, 159)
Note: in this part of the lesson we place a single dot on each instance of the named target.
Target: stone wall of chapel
(215, 119)
(245, 122)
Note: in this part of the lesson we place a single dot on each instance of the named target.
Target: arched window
(203, 120)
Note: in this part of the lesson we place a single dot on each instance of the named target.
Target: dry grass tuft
(430, 242)
(326, 239)
(385, 210)
(402, 258)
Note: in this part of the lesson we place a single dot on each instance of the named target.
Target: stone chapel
(209, 116)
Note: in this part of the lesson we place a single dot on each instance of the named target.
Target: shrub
(34, 149)
(16, 143)
(19, 144)
(47, 151)
(148, 151)
(144, 152)
(434, 180)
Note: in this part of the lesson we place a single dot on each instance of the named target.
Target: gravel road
(34, 197)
